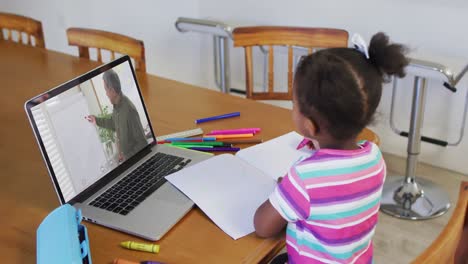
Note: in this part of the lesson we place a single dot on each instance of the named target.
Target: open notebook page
(227, 189)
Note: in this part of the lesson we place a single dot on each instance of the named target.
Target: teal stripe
(356, 211)
(281, 207)
(339, 171)
(318, 247)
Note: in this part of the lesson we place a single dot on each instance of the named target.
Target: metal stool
(403, 196)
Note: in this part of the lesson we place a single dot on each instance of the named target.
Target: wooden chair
(24, 26)
(309, 38)
(451, 246)
(115, 43)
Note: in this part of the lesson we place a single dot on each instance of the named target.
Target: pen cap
(123, 261)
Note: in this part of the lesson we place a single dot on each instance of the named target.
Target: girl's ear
(311, 127)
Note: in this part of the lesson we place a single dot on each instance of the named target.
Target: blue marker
(202, 120)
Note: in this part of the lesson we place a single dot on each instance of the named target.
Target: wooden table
(26, 191)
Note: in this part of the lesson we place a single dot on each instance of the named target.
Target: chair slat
(249, 70)
(271, 64)
(83, 52)
(99, 57)
(112, 55)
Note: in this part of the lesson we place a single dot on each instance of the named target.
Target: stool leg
(403, 197)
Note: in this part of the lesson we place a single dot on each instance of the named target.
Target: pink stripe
(304, 259)
(345, 232)
(296, 258)
(301, 259)
(343, 221)
(321, 156)
(235, 131)
(367, 146)
(346, 189)
(341, 201)
(343, 177)
(366, 257)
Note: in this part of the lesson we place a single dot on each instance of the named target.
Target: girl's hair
(339, 89)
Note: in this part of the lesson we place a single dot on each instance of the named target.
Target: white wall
(168, 53)
(433, 29)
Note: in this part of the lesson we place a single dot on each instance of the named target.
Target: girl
(330, 200)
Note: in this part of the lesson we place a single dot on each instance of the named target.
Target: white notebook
(229, 188)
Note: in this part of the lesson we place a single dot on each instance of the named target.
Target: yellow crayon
(153, 248)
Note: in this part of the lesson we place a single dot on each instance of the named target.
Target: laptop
(100, 150)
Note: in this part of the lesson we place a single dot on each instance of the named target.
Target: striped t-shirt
(331, 201)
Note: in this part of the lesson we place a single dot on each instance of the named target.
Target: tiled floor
(400, 241)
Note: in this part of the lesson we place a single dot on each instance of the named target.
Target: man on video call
(125, 120)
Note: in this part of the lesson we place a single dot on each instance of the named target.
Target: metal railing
(221, 34)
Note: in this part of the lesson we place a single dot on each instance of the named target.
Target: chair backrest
(451, 246)
(310, 38)
(24, 26)
(103, 40)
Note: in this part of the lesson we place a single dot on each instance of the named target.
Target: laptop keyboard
(134, 188)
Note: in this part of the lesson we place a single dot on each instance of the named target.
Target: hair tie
(360, 44)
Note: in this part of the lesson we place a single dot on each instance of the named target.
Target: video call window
(91, 128)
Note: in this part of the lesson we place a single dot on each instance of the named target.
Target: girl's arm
(267, 221)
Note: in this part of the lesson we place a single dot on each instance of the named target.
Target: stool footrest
(434, 141)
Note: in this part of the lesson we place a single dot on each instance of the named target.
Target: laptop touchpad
(170, 194)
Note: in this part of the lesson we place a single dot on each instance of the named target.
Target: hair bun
(388, 58)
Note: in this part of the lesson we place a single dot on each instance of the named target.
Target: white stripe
(276, 203)
(334, 249)
(296, 185)
(343, 207)
(338, 163)
(330, 183)
(344, 225)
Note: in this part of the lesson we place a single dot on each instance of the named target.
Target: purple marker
(202, 120)
(215, 149)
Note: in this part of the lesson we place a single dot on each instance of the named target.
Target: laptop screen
(90, 125)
